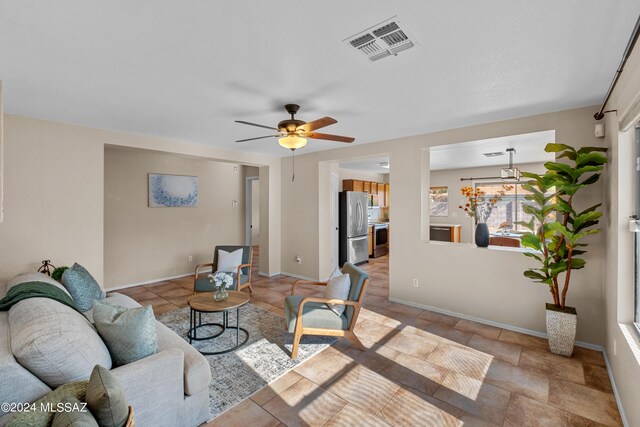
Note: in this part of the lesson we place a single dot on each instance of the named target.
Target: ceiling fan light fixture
(292, 142)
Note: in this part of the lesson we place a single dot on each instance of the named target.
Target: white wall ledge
(473, 246)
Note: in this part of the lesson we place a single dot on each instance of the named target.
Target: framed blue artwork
(166, 191)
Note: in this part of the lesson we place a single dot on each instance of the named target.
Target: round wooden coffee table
(204, 303)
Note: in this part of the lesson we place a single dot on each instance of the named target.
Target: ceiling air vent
(382, 40)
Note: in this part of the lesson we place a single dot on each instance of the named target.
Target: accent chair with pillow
(235, 260)
(335, 315)
(45, 343)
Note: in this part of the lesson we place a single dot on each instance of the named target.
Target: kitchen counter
(445, 232)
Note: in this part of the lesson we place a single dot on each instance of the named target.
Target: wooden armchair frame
(300, 330)
(238, 273)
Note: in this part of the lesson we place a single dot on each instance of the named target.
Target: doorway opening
(252, 211)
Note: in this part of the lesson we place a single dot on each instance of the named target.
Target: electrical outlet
(190, 258)
(299, 259)
(234, 203)
(415, 283)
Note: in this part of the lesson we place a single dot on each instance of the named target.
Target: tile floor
(420, 369)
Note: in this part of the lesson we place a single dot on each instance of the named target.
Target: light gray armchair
(241, 278)
(312, 315)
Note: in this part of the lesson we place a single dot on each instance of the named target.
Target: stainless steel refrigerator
(354, 244)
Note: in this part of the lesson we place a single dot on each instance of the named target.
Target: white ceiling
(187, 70)
(367, 165)
(529, 149)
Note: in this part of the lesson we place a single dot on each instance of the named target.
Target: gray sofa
(169, 388)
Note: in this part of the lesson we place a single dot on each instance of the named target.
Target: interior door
(335, 215)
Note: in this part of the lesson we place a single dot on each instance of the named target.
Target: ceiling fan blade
(259, 137)
(328, 137)
(255, 124)
(317, 124)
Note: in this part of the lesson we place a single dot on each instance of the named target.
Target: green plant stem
(560, 302)
(553, 289)
(567, 277)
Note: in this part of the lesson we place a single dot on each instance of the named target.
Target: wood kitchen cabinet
(375, 188)
(381, 197)
(386, 195)
(370, 236)
(352, 185)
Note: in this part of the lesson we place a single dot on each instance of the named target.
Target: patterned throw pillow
(106, 399)
(129, 333)
(82, 287)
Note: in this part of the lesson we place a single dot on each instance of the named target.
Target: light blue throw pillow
(129, 333)
(82, 287)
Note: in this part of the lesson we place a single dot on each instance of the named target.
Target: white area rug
(264, 358)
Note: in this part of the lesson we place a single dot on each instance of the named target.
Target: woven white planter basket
(561, 331)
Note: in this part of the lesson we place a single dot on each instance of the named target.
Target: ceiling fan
(293, 133)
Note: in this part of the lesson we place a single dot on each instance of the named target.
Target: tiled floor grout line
(335, 415)
(389, 401)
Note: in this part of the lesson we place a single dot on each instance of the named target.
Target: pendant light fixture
(510, 173)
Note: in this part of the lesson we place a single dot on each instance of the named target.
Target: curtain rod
(484, 177)
(627, 52)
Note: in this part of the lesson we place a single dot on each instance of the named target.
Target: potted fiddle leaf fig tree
(557, 231)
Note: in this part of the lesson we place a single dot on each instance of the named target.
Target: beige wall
(622, 345)
(1, 157)
(53, 199)
(270, 220)
(450, 178)
(142, 244)
(54, 192)
(492, 279)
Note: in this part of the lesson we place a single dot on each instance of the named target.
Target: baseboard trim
(491, 322)
(625, 423)
(263, 274)
(131, 285)
(297, 276)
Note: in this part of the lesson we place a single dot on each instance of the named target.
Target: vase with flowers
(222, 281)
(479, 207)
